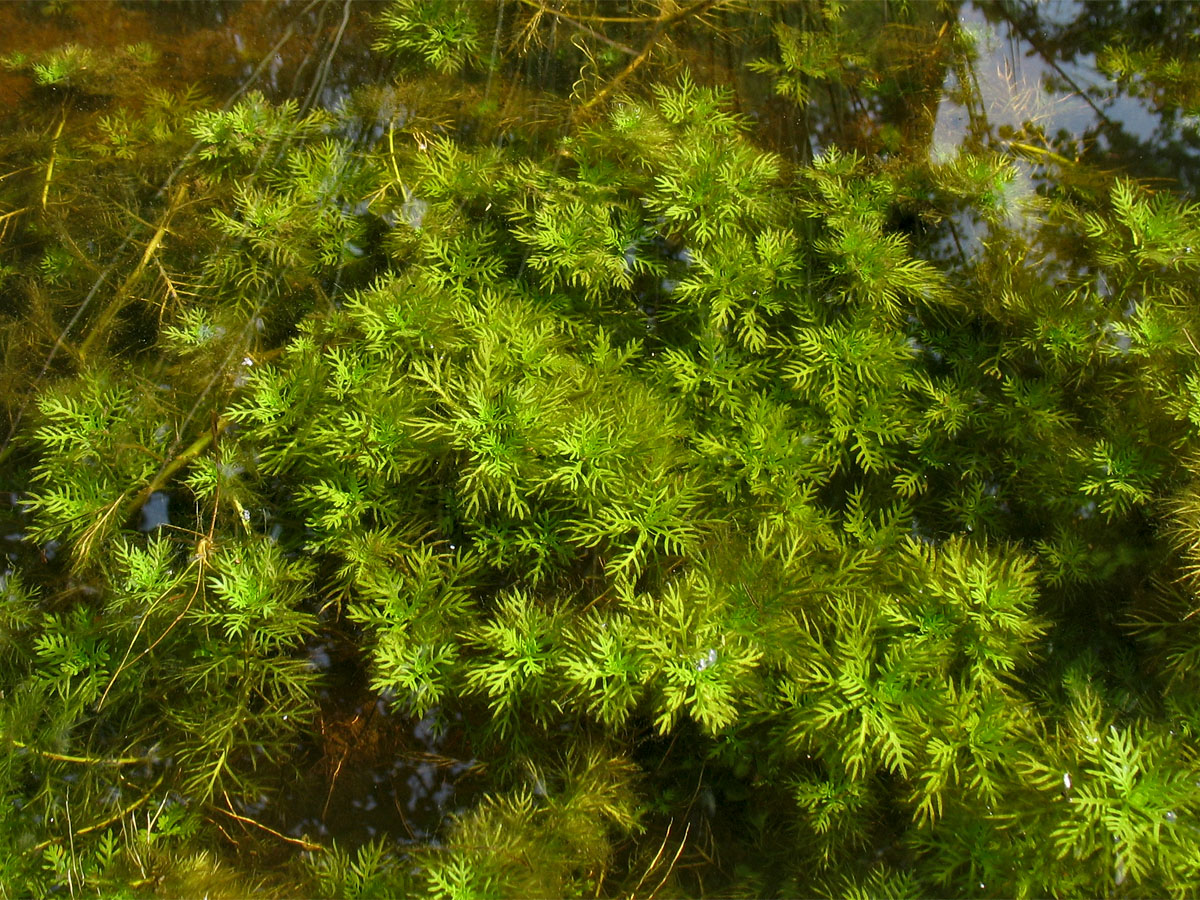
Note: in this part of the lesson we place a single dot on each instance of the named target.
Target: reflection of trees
(1136, 63)
(871, 76)
(866, 77)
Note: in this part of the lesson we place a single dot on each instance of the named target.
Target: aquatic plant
(443, 34)
(750, 524)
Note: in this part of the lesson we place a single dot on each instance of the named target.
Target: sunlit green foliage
(443, 33)
(749, 534)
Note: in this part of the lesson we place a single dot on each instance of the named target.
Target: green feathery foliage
(723, 522)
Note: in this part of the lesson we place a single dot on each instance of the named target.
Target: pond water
(116, 206)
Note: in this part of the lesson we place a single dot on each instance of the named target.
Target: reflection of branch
(323, 69)
(542, 8)
(1049, 59)
(660, 24)
(600, 36)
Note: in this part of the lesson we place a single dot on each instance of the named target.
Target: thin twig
(203, 548)
(654, 862)
(37, 848)
(193, 450)
(18, 171)
(671, 867)
(333, 781)
(125, 660)
(71, 835)
(300, 842)
(1187, 335)
(15, 212)
(542, 8)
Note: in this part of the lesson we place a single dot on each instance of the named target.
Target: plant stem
(85, 760)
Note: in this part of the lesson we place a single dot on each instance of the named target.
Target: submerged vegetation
(682, 497)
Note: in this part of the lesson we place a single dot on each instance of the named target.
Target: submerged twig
(120, 814)
(121, 297)
(194, 449)
(674, 860)
(15, 212)
(53, 157)
(300, 842)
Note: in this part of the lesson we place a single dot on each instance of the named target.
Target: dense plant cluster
(762, 526)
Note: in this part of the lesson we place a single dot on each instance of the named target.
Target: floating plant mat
(551, 448)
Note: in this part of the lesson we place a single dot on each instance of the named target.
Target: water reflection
(154, 512)
(1065, 57)
(380, 774)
